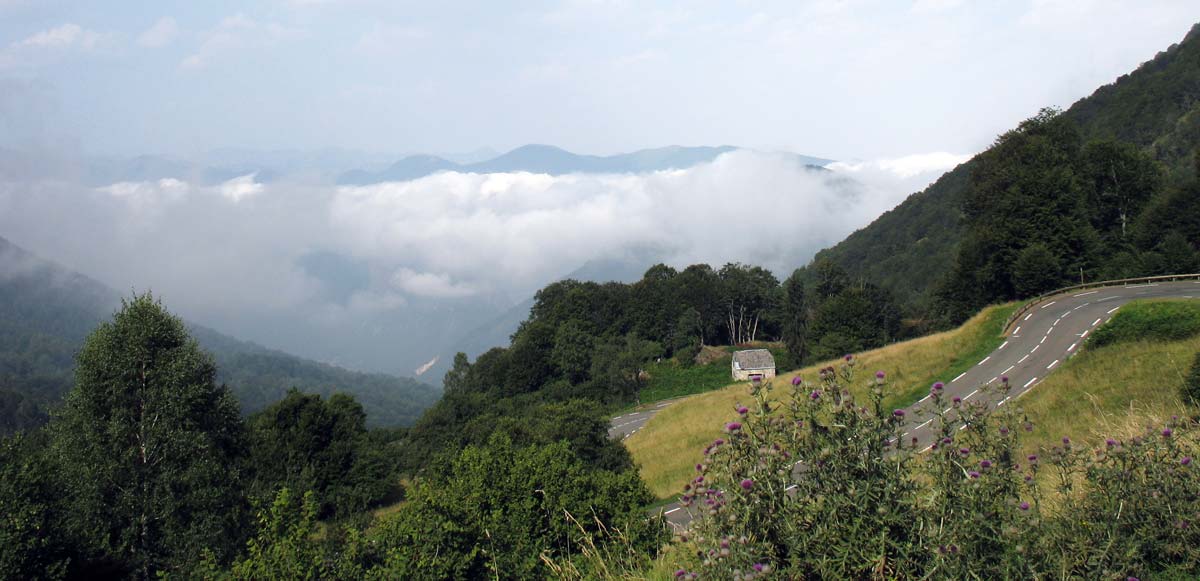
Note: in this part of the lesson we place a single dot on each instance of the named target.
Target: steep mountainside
(46, 312)
(1156, 108)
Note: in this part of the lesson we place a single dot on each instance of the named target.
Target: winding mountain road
(1040, 340)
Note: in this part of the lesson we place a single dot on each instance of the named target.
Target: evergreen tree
(795, 318)
(149, 445)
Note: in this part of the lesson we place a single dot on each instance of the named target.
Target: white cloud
(429, 284)
(47, 44)
(68, 35)
(240, 188)
(237, 33)
(908, 166)
(159, 34)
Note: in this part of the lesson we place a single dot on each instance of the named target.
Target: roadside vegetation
(669, 446)
(1103, 390)
(974, 507)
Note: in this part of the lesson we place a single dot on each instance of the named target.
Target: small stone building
(752, 363)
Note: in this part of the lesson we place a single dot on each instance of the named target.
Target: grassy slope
(670, 444)
(1117, 389)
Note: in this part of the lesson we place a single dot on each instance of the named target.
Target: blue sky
(842, 79)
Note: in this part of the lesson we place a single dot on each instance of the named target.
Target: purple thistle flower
(796, 380)
(947, 440)
(815, 395)
(880, 375)
(1024, 506)
(985, 464)
(1003, 379)
(1066, 440)
(699, 468)
(718, 441)
(1166, 433)
(973, 474)
(957, 400)
(747, 484)
(898, 413)
(1003, 430)
(1186, 460)
(733, 427)
(680, 573)
(743, 410)
(937, 386)
(964, 451)
(758, 567)
(1132, 579)
(1032, 458)
(849, 357)
(1110, 442)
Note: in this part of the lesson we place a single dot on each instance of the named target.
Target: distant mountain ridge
(553, 160)
(46, 311)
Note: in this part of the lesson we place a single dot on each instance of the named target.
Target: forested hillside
(586, 346)
(1155, 111)
(46, 311)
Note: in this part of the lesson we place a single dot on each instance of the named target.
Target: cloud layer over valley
(325, 270)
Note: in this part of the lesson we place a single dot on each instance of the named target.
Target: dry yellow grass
(667, 449)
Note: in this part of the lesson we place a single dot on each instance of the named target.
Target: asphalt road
(1050, 333)
(626, 425)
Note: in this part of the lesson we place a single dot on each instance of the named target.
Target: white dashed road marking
(1048, 304)
(1111, 312)
(1051, 366)
(1087, 293)
(960, 376)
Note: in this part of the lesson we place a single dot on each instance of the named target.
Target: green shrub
(1150, 321)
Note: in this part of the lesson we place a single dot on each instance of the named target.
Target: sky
(387, 276)
(841, 79)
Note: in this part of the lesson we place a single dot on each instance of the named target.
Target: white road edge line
(1027, 317)
(672, 510)
(923, 425)
(960, 376)
(922, 400)
(1023, 358)
(1003, 401)
(1084, 334)
(1017, 331)
(1072, 347)
(985, 360)
(1028, 383)
(970, 394)
(1087, 293)
(1048, 304)
(1036, 347)
(1107, 298)
(1111, 312)
(1002, 345)
(1007, 370)
(1051, 366)
(1096, 322)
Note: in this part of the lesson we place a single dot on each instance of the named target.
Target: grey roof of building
(754, 359)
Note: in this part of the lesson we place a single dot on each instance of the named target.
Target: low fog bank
(384, 277)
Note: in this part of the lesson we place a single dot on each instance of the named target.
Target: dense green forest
(46, 311)
(586, 345)
(1152, 113)
(148, 469)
